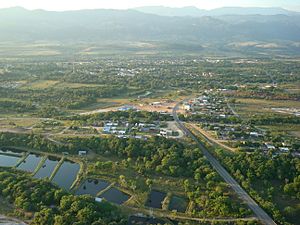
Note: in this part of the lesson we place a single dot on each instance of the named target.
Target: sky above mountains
(61, 5)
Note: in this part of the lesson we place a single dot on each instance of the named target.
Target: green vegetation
(131, 116)
(46, 204)
(150, 159)
(89, 79)
(272, 181)
(40, 106)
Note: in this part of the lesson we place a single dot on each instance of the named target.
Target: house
(97, 199)
(187, 107)
(121, 132)
(166, 132)
(106, 129)
(82, 153)
(127, 108)
(156, 103)
(284, 149)
(254, 134)
(270, 147)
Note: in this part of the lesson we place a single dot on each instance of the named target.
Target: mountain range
(196, 12)
(100, 25)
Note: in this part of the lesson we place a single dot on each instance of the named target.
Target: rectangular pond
(116, 196)
(178, 203)
(8, 160)
(47, 168)
(66, 174)
(155, 199)
(136, 220)
(11, 152)
(30, 163)
(92, 187)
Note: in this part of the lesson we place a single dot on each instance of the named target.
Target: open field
(41, 84)
(18, 122)
(290, 129)
(246, 106)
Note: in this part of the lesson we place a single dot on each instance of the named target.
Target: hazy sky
(124, 4)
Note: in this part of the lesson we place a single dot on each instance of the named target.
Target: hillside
(96, 25)
(196, 12)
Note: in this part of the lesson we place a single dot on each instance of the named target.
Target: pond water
(66, 174)
(135, 220)
(92, 187)
(115, 196)
(178, 203)
(8, 160)
(47, 168)
(30, 163)
(155, 199)
(9, 152)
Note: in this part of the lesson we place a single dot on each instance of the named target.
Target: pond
(136, 220)
(8, 160)
(92, 187)
(9, 152)
(115, 196)
(30, 163)
(66, 174)
(155, 199)
(178, 203)
(47, 168)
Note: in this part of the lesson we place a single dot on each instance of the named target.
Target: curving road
(258, 211)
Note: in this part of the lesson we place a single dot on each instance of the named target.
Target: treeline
(274, 119)
(66, 98)
(33, 141)
(50, 205)
(7, 106)
(210, 119)
(267, 93)
(131, 116)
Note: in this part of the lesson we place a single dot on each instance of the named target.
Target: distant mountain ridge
(196, 12)
(18, 24)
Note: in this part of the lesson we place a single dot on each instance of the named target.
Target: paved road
(259, 212)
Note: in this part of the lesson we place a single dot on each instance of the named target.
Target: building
(82, 153)
(97, 199)
(127, 108)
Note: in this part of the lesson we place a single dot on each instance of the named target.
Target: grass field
(246, 106)
(41, 84)
(19, 122)
(77, 85)
(291, 129)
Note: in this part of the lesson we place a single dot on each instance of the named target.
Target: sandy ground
(162, 106)
(100, 110)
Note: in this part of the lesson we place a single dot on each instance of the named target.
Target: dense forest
(50, 205)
